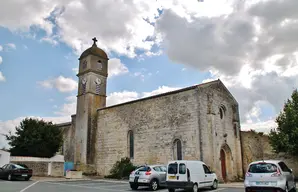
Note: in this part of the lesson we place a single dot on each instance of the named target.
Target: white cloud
(253, 50)
(1, 60)
(125, 96)
(133, 31)
(63, 84)
(126, 37)
(68, 108)
(159, 90)
(121, 97)
(21, 15)
(49, 40)
(2, 78)
(11, 46)
(264, 126)
(1, 48)
(76, 70)
(116, 67)
(140, 75)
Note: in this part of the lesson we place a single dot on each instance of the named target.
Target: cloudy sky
(153, 46)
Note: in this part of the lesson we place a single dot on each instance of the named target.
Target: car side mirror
(291, 170)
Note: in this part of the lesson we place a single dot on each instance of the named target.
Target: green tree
(35, 138)
(284, 138)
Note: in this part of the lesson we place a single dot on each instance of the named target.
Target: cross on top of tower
(94, 41)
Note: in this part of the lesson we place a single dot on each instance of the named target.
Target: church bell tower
(93, 73)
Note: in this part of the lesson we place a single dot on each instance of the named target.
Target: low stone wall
(256, 146)
(42, 166)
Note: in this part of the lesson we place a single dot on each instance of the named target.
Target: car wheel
(134, 186)
(215, 184)
(195, 188)
(154, 185)
(294, 187)
(9, 178)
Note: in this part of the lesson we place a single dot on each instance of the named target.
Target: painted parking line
(29, 186)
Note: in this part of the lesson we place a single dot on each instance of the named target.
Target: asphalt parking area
(78, 186)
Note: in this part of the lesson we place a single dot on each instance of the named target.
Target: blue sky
(153, 47)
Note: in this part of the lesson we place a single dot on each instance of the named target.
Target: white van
(184, 174)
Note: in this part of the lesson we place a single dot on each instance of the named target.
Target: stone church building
(200, 122)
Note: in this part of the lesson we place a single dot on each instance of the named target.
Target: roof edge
(63, 124)
(160, 95)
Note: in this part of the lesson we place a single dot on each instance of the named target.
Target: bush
(121, 169)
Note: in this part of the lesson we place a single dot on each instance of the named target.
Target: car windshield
(19, 167)
(172, 168)
(262, 168)
(22, 165)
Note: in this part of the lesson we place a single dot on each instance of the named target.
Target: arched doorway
(223, 165)
(226, 162)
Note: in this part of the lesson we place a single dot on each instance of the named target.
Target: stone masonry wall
(156, 123)
(256, 146)
(220, 133)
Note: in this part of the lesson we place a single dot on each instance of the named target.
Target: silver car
(269, 175)
(153, 176)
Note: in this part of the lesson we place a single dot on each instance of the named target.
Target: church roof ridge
(164, 94)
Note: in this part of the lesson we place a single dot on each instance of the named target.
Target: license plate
(172, 177)
(262, 183)
(24, 175)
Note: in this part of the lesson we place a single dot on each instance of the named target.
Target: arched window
(131, 144)
(235, 130)
(222, 111)
(178, 149)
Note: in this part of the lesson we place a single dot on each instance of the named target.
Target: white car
(189, 175)
(269, 175)
(153, 176)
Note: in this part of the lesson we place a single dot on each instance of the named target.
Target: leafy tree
(284, 138)
(35, 138)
